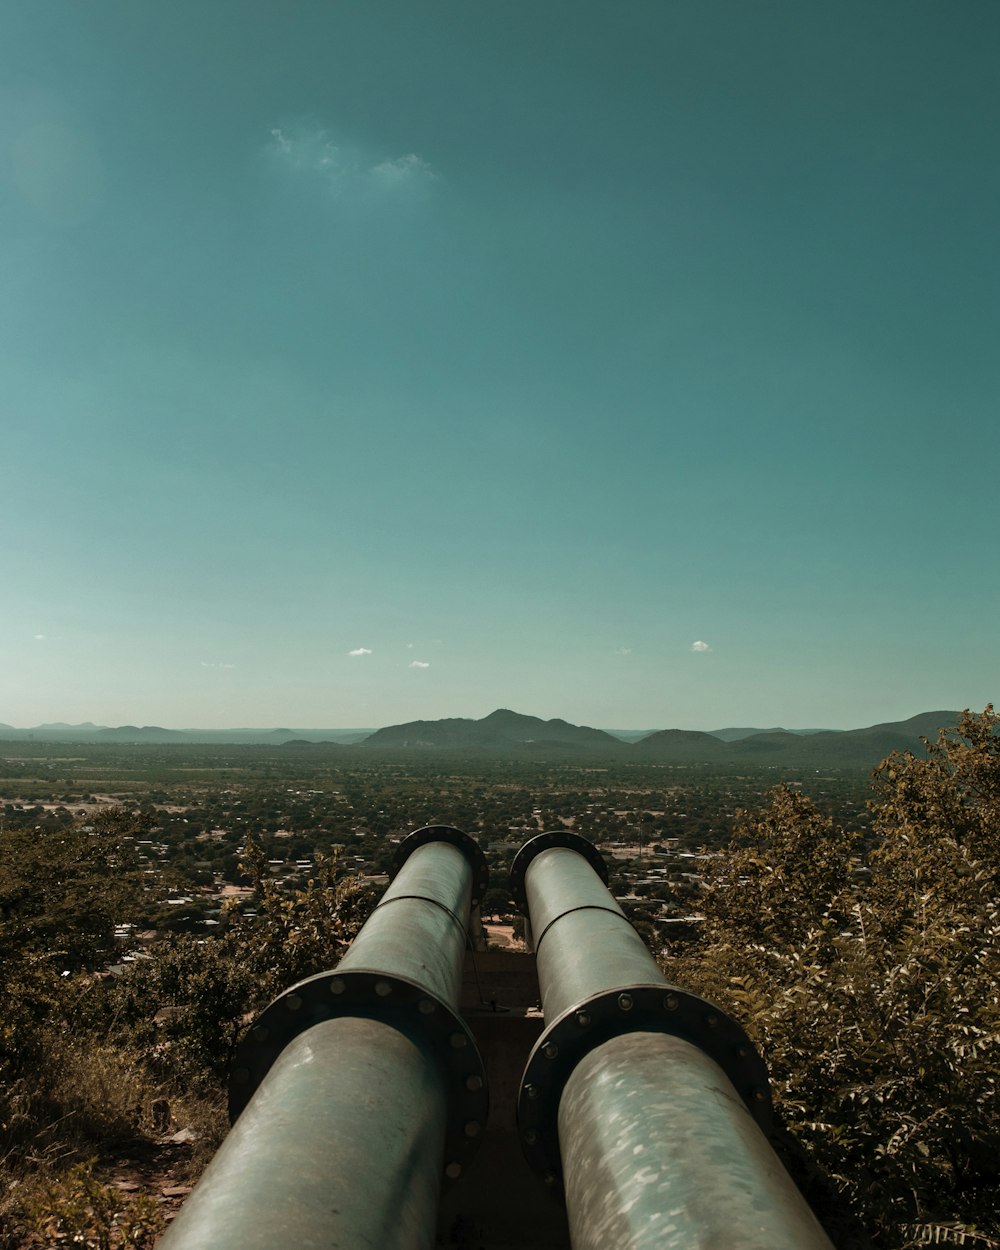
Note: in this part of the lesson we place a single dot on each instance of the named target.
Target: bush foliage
(871, 984)
(89, 1063)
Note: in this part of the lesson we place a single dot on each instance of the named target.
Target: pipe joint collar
(545, 842)
(645, 1008)
(468, 845)
(396, 1002)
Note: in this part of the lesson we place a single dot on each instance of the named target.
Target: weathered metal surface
(405, 966)
(356, 1092)
(543, 842)
(592, 1021)
(597, 979)
(340, 1147)
(396, 1003)
(456, 837)
(583, 942)
(659, 1152)
(653, 1144)
(418, 931)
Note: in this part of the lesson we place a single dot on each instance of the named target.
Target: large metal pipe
(356, 1092)
(647, 1104)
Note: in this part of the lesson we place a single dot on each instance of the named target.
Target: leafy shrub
(78, 1208)
(86, 1064)
(185, 1008)
(874, 998)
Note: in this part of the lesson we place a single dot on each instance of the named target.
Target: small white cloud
(280, 142)
(39, 637)
(311, 150)
(404, 169)
(409, 646)
(623, 650)
(700, 646)
(215, 664)
(419, 664)
(360, 651)
(305, 149)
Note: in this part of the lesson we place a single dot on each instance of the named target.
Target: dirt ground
(502, 936)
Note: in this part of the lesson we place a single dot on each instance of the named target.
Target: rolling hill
(505, 733)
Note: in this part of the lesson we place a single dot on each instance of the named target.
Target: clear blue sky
(518, 347)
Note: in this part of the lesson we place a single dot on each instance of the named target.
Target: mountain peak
(502, 730)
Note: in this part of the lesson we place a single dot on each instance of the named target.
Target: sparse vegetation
(859, 945)
(95, 1068)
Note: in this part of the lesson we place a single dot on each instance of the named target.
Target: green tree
(211, 986)
(62, 891)
(874, 998)
(783, 873)
(937, 822)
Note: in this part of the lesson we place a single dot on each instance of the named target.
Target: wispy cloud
(419, 664)
(360, 651)
(309, 149)
(700, 646)
(39, 637)
(623, 650)
(312, 151)
(403, 170)
(215, 664)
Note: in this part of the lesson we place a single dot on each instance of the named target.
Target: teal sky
(635, 363)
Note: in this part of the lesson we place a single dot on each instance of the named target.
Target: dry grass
(91, 1113)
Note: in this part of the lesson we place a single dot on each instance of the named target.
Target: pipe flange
(544, 842)
(391, 1000)
(647, 1008)
(454, 837)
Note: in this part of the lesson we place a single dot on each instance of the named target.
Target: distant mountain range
(817, 749)
(511, 734)
(156, 734)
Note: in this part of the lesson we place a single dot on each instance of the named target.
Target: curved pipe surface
(660, 1153)
(358, 1090)
(419, 929)
(655, 1145)
(340, 1146)
(584, 943)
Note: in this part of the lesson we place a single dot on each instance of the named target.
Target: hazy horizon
(626, 364)
(343, 729)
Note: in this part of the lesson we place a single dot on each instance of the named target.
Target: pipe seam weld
(611, 911)
(423, 898)
(562, 839)
(450, 836)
